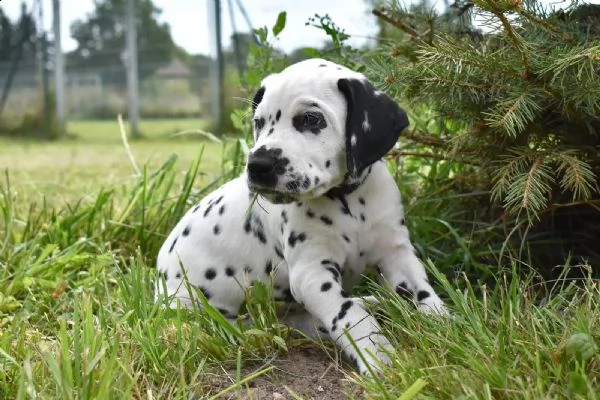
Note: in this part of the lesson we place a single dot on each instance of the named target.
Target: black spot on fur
(196, 208)
(422, 295)
(306, 182)
(219, 200)
(310, 213)
(178, 275)
(402, 222)
(345, 208)
(279, 252)
(317, 180)
(335, 272)
(259, 123)
(353, 360)
(173, 245)
(260, 235)
(331, 262)
(248, 224)
(327, 164)
(210, 274)
(269, 267)
(284, 216)
(326, 220)
(208, 209)
(362, 217)
(403, 291)
(216, 229)
(322, 65)
(325, 286)
(186, 231)
(361, 201)
(346, 238)
(344, 294)
(362, 253)
(285, 295)
(222, 209)
(322, 329)
(271, 131)
(278, 115)
(225, 313)
(345, 307)
(294, 238)
(204, 292)
(229, 270)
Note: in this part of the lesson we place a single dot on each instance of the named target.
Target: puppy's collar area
(349, 185)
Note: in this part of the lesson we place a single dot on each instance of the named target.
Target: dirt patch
(306, 371)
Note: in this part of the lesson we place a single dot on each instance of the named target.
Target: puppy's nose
(261, 163)
(265, 165)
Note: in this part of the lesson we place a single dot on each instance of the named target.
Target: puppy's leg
(404, 273)
(316, 285)
(304, 322)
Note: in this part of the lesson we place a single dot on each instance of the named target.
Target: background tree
(18, 35)
(101, 38)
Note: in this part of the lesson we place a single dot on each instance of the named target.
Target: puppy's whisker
(260, 205)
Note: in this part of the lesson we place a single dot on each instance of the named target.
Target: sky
(188, 19)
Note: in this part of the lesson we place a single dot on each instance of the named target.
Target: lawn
(78, 319)
(64, 171)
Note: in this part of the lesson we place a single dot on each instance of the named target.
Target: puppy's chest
(341, 221)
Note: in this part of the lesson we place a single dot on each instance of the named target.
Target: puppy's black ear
(373, 124)
(258, 98)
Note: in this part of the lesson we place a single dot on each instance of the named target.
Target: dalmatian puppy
(327, 207)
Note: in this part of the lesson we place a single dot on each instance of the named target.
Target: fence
(172, 90)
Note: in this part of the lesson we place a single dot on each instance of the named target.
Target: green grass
(78, 318)
(64, 171)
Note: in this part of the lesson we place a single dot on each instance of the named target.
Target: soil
(306, 371)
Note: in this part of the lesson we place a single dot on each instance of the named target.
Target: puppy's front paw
(433, 305)
(370, 354)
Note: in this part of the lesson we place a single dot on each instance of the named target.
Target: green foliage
(100, 36)
(516, 107)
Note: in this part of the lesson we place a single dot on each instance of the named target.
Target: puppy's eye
(309, 121)
(312, 119)
(259, 123)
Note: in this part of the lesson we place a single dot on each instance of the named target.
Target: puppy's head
(317, 124)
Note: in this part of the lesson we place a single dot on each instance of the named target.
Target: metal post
(47, 130)
(218, 66)
(59, 70)
(131, 64)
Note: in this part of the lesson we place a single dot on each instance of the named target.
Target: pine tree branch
(426, 139)
(529, 186)
(548, 27)
(397, 23)
(401, 153)
(514, 37)
(445, 157)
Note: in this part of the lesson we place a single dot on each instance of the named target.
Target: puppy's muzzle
(265, 166)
